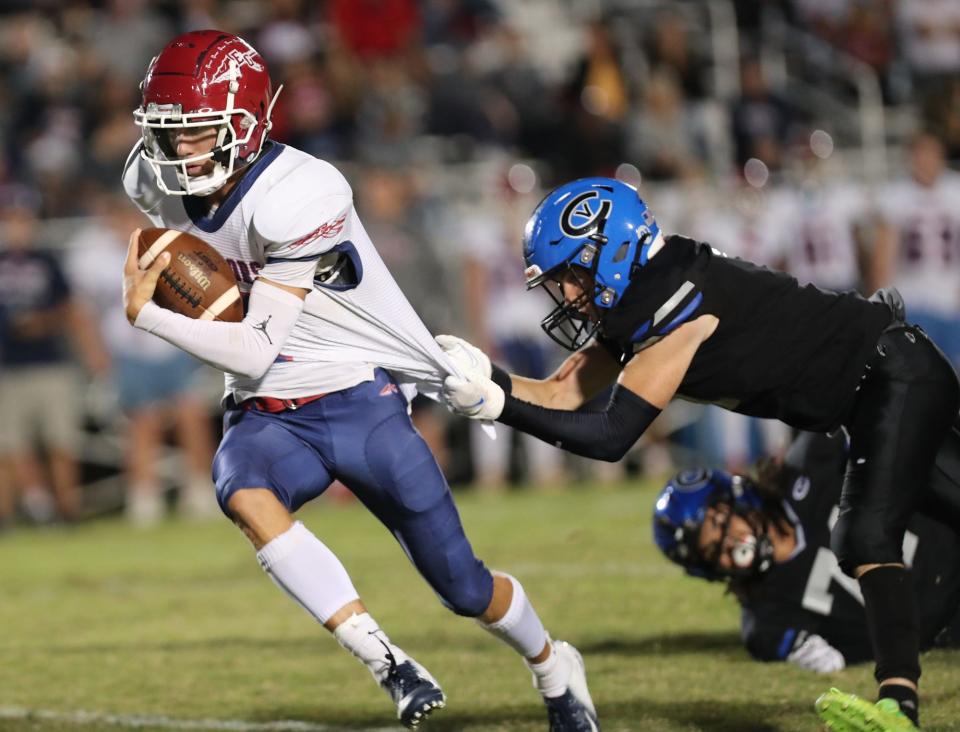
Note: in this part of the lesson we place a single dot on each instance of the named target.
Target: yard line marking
(138, 721)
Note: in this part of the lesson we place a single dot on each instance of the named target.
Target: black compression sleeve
(502, 379)
(605, 435)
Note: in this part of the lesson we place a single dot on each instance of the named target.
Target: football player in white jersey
(918, 243)
(817, 218)
(318, 371)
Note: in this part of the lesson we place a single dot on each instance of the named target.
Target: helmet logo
(242, 58)
(579, 219)
(801, 487)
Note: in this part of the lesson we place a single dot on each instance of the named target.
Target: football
(198, 282)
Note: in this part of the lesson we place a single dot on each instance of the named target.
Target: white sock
(551, 677)
(198, 497)
(303, 567)
(520, 627)
(361, 635)
(145, 505)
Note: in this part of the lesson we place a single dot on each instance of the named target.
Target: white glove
(815, 654)
(472, 362)
(477, 398)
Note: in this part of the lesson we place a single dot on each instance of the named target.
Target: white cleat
(572, 711)
(415, 692)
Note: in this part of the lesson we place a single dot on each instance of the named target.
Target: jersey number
(817, 597)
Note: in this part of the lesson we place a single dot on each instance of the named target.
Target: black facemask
(566, 324)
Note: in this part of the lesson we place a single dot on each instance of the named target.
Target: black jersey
(781, 350)
(810, 594)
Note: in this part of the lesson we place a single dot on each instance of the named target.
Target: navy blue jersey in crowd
(810, 594)
(31, 282)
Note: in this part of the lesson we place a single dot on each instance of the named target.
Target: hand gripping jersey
(809, 593)
(290, 219)
(784, 351)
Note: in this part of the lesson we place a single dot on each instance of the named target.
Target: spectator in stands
(500, 314)
(7, 497)
(824, 18)
(944, 120)
(287, 35)
(596, 101)
(661, 136)
(156, 382)
(867, 35)
(375, 29)
(391, 114)
(124, 32)
(918, 243)
(670, 50)
(760, 119)
(39, 391)
(821, 220)
(308, 113)
(930, 33)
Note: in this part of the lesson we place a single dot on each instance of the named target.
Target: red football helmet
(203, 79)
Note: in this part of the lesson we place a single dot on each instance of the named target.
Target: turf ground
(178, 628)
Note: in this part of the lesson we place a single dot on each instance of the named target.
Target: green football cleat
(842, 712)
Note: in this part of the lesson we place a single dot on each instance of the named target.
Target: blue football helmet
(600, 225)
(681, 509)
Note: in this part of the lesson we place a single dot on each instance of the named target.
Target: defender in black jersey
(669, 317)
(769, 538)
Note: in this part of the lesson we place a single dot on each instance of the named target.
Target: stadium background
(750, 124)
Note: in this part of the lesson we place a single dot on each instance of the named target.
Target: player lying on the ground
(674, 317)
(768, 537)
(319, 370)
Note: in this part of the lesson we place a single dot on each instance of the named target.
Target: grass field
(168, 627)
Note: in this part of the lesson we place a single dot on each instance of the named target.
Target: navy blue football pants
(907, 401)
(363, 437)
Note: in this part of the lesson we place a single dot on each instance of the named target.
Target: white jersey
(815, 233)
(927, 267)
(291, 220)
(738, 228)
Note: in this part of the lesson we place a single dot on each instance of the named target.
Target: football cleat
(842, 712)
(572, 711)
(414, 691)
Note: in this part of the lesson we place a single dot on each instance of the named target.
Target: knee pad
(468, 594)
(859, 539)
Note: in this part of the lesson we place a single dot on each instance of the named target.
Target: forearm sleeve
(247, 348)
(605, 435)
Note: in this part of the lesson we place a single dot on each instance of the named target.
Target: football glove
(475, 397)
(471, 361)
(813, 653)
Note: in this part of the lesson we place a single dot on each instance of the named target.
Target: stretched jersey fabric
(810, 594)
(781, 350)
(290, 219)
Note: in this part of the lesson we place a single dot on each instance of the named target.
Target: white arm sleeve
(247, 348)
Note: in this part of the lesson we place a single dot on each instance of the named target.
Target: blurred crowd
(450, 118)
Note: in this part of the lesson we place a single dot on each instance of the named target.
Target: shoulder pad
(139, 183)
(302, 199)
